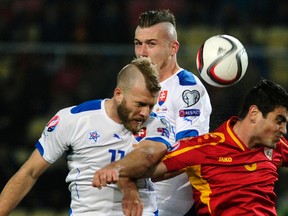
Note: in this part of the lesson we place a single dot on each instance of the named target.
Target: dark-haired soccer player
(233, 169)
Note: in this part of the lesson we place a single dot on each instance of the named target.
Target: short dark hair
(267, 96)
(153, 17)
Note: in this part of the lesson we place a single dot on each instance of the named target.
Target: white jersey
(92, 140)
(185, 103)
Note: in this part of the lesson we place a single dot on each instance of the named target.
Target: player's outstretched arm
(136, 164)
(21, 183)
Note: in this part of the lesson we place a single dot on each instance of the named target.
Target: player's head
(153, 17)
(136, 92)
(156, 37)
(266, 95)
(266, 105)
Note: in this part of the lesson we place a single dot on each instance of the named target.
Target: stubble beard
(123, 113)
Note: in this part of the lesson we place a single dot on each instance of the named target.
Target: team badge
(268, 153)
(53, 123)
(140, 134)
(190, 97)
(93, 136)
(162, 97)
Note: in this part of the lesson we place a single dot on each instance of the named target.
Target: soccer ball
(222, 60)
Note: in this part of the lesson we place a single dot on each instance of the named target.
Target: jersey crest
(140, 134)
(268, 153)
(162, 97)
(93, 136)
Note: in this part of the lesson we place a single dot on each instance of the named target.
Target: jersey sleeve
(177, 159)
(192, 110)
(192, 151)
(53, 142)
(157, 129)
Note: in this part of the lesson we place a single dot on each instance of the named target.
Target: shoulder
(156, 121)
(186, 82)
(159, 124)
(187, 78)
(283, 145)
(87, 106)
(70, 115)
(199, 143)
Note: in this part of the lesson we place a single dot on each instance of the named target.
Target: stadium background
(55, 54)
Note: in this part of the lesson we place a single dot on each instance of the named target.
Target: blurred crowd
(113, 21)
(35, 84)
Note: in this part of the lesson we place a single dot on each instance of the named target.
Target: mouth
(277, 138)
(139, 122)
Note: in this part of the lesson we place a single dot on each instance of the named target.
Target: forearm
(21, 183)
(125, 184)
(140, 161)
(166, 175)
(14, 191)
(131, 202)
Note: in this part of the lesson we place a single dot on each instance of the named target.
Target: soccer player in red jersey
(233, 169)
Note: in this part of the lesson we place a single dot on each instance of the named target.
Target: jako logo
(225, 159)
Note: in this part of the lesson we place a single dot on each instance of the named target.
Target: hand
(131, 202)
(105, 176)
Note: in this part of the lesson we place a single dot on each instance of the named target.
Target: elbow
(153, 155)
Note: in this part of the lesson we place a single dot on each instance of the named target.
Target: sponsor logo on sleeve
(190, 97)
(53, 123)
(189, 112)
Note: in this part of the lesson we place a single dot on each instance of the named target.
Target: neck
(167, 72)
(111, 110)
(244, 132)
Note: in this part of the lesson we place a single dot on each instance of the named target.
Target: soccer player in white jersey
(93, 134)
(183, 101)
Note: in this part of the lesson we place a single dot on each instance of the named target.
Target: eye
(151, 44)
(137, 43)
(140, 104)
(280, 120)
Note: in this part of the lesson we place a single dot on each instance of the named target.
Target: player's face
(134, 110)
(273, 127)
(154, 42)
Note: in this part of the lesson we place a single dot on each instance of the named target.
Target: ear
(118, 94)
(253, 113)
(174, 47)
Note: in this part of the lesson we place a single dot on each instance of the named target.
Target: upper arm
(154, 151)
(35, 165)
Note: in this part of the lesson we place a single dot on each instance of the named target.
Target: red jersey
(227, 177)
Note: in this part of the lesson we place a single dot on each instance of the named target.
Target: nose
(142, 50)
(283, 129)
(145, 111)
